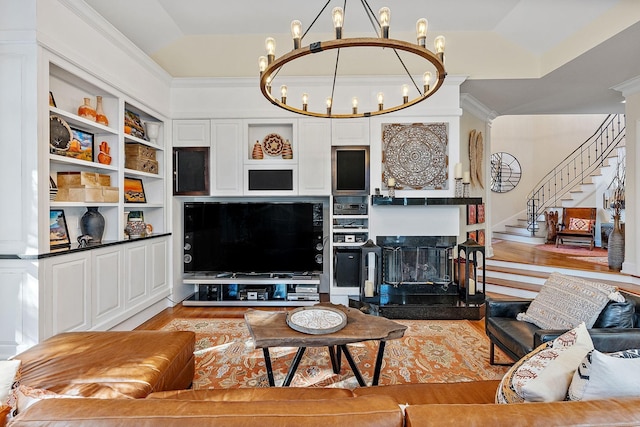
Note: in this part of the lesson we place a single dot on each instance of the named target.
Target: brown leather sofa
(452, 404)
(142, 379)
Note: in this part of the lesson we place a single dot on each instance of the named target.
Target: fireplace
(414, 279)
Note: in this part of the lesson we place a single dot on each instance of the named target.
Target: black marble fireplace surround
(417, 281)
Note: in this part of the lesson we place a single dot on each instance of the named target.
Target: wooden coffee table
(269, 329)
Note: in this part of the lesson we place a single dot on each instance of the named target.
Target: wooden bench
(578, 225)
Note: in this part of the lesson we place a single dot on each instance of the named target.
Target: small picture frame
(133, 125)
(472, 215)
(134, 191)
(481, 237)
(81, 145)
(473, 235)
(135, 216)
(58, 231)
(52, 100)
(481, 213)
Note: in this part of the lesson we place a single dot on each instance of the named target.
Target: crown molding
(628, 88)
(101, 25)
(477, 108)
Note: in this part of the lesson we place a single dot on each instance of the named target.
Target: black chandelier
(270, 66)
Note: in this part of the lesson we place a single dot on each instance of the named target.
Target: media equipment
(253, 237)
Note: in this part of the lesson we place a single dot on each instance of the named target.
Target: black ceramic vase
(92, 224)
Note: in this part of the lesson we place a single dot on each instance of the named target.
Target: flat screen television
(253, 237)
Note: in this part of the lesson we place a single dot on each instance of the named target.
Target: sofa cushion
(515, 336)
(565, 301)
(474, 392)
(544, 375)
(617, 315)
(110, 364)
(351, 411)
(606, 375)
(610, 412)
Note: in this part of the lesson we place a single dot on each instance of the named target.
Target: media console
(258, 290)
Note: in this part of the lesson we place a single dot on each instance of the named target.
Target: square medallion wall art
(416, 155)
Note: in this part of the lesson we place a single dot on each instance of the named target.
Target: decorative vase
(86, 110)
(615, 250)
(287, 152)
(257, 152)
(104, 156)
(100, 116)
(153, 130)
(92, 224)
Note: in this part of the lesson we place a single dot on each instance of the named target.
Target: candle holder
(392, 191)
(458, 187)
(465, 190)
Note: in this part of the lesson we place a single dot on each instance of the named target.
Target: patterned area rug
(430, 351)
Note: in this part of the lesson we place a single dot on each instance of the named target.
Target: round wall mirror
(505, 172)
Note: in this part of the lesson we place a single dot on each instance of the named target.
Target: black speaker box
(277, 179)
(347, 267)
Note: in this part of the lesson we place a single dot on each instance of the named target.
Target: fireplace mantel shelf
(424, 201)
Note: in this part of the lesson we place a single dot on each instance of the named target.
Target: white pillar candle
(368, 288)
(458, 171)
(471, 286)
(467, 177)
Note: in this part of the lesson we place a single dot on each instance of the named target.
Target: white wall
(539, 143)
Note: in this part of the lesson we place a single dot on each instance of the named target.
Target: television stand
(270, 289)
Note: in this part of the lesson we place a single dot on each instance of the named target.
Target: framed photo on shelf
(481, 237)
(471, 215)
(52, 100)
(481, 214)
(58, 231)
(69, 142)
(134, 191)
(133, 125)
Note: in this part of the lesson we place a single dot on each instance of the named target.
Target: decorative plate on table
(59, 134)
(273, 144)
(316, 320)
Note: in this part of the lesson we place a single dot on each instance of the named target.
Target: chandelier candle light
(270, 66)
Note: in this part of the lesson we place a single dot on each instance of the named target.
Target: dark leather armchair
(617, 327)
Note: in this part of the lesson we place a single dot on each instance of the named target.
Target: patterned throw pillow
(27, 396)
(579, 224)
(565, 301)
(606, 375)
(9, 382)
(544, 375)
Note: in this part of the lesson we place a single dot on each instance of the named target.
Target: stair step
(517, 237)
(513, 284)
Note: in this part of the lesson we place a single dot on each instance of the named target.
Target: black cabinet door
(191, 171)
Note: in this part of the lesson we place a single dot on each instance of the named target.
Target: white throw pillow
(565, 301)
(544, 375)
(8, 376)
(603, 376)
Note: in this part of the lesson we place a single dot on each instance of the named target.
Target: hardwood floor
(528, 254)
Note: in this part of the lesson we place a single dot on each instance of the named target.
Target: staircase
(572, 182)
